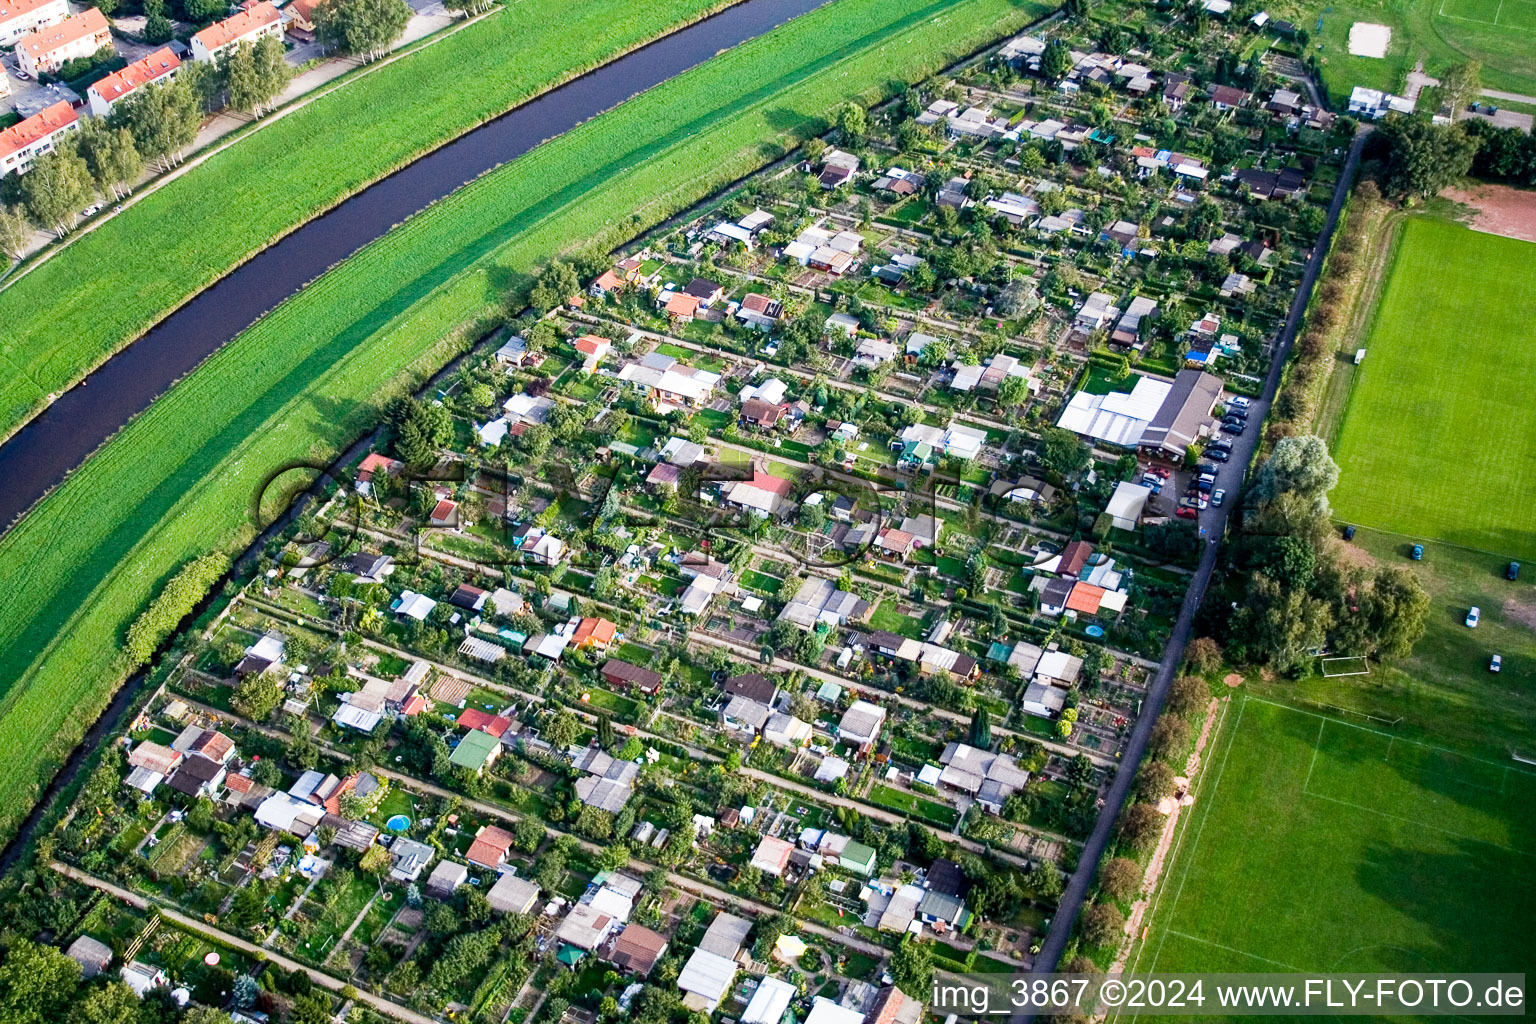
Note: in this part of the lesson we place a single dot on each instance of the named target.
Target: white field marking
(1317, 745)
(1419, 824)
(1378, 732)
(1195, 846)
(1498, 11)
(1233, 949)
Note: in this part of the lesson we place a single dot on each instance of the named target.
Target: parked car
(1232, 428)
(1218, 454)
(1237, 413)
(1187, 513)
(1239, 402)
(1221, 444)
(1417, 554)
(1495, 663)
(1154, 482)
(1162, 471)
(1349, 533)
(1218, 496)
(1189, 501)
(1512, 571)
(1472, 617)
(1205, 485)
(1207, 469)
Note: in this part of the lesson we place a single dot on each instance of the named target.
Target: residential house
(93, 956)
(707, 292)
(873, 352)
(198, 776)
(595, 634)
(705, 980)
(475, 751)
(374, 463)
(621, 275)
(861, 724)
(44, 51)
(248, 25)
(753, 686)
(744, 715)
(1175, 90)
(22, 143)
(637, 949)
(1225, 97)
(894, 543)
(760, 414)
(1130, 329)
(761, 311)
(490, 848)
(608, 781)
(160, 66)
(593, 349)
(512, 895)
(819, 600)
(408, 859)
(300, 16)
(764, 494)
(787, 731)
(772, 855)
(20, 18)
(445, 879)
(1097, 310)
(623, 675)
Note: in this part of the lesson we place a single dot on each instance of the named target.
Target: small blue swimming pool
(398, 823)
(1094, 631)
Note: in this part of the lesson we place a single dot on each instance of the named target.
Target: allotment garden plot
(1324, 845)
(1437, 439)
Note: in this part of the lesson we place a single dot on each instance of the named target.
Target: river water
(39, 456)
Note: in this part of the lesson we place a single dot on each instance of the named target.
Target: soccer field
(1439, 438)
(1500, 33)
(1316, 844)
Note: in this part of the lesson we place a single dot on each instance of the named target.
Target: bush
(1204, 654)
(165, 612)
(1155, 781)
(1120, 878)
(1104, 925)
(1188, 696)
(1139, 827)
(1170, 738)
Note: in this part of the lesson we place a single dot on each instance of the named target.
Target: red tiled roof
(121, 83)
(38, 126)
(238, 26)
(592, 344)
(13, 9)
(770, 483)
(896, 540)
(594, 631)
(682, 305)
(444, 510)
(1085, 598)
(88, 22)
(474, 718)
(608, 281)
(373, 462)
(415, 706)
(239, 783)
(490, 846)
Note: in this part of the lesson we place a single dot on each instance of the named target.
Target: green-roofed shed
(476, 750)
(858, 858)
(829, 692)
(999, 651)
(570, 955)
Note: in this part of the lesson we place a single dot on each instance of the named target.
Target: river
(41, 454)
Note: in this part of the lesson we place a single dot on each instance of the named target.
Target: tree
(912, 965)
(37, 984)
(1188, 696)
(1155, 781)
(1061, 452)
(1056, 61)
(1461, 85)
(1169, 739)
(1017, 298)
(562, 730)
(166, 611)
(1120, 878)
(157, 27)
(981, 729)
(1046, 880)
(421, 430)
(469, 7)
(1301, 466)
(527, 835)
(111, 157)
(376, 861)
(1012, 391)
(1283, 625)
(256, 75)
(15, 232)
(258, 696)
(1138, 827)
(1203, 654)
(852, 124)
(1104, 925)
(812, 517)
(1423, 158)
(556, 283)
(362, 28)
(56, 189)
(163, 120)
(113, 1003)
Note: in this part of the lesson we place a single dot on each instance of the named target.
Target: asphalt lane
(1213, 523)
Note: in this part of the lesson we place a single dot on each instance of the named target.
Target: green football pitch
(1439, 438)
(1317, 844)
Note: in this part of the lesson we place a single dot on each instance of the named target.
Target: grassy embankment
(179, 479)
(71, 312)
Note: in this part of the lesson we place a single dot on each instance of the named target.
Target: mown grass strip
(177, 481)
(106, 288)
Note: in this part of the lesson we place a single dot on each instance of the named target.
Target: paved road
(1509, 97)
(1215, 524)
(192, 924)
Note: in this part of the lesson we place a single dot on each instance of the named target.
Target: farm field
(1317, 844)
(109, 286)
(1439, 428)
(1441, 32)
(179, 480)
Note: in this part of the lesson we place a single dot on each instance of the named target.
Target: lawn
(910, 803)
(1440, 426)
(112, 284)
(318, 370)
(1444, 689)
(1442, 32)
(1316, 844)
